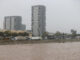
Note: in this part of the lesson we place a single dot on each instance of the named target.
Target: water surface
(47, 51)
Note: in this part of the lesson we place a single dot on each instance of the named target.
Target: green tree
(45, 34)
(7, 33)
(23, 34)
(14, 34)
(74, 33)
(58, 33)
(1, 34)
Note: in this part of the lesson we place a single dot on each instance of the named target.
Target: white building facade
(38, 20)
(12, 23)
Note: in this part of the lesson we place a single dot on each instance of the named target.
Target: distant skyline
(61, 15)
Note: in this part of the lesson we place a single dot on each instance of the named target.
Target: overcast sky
(61, 15)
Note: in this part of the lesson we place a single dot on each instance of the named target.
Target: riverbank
(7, 42)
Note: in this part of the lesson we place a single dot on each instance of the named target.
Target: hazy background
(61, 15)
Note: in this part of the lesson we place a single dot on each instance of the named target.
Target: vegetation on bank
(9, 33)
(57, 37)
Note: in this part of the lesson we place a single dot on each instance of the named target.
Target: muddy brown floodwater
(47, 51)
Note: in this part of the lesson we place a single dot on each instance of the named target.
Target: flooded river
(47, 51)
